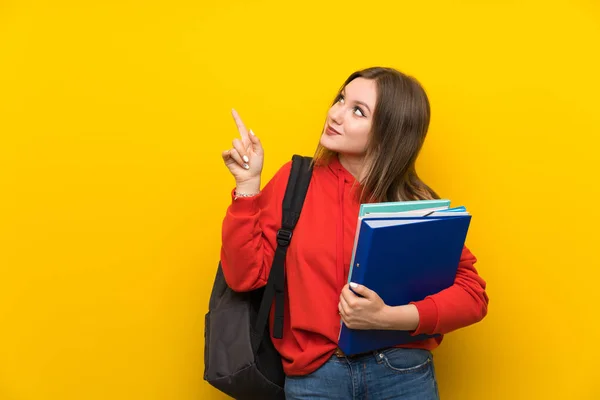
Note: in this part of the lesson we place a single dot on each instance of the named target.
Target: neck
(354, 164)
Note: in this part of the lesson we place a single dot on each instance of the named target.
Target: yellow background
(112, 120)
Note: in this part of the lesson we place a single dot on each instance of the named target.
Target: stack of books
(404, 251)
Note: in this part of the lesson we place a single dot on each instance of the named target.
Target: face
(349, 120)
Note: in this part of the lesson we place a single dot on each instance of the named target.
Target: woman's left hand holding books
(362, 308)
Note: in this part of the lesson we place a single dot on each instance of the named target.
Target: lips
(330, 131)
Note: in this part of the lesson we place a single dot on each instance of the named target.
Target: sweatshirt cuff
(244, 205)
(428, 316)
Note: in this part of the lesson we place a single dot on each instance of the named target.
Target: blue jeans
(393, 373)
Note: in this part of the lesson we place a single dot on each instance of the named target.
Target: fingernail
(353, 285)
(245, 158)
(246, 166)
(252, 133)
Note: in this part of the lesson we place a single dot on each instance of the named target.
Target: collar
(339, 170)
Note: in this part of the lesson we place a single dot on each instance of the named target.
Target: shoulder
(274, 189)
(280, 179)
(282, 175)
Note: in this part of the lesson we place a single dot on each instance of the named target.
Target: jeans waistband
(340, 354)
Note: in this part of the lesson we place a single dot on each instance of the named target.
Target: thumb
(361, 290)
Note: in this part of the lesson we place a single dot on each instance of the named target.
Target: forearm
(241, 249)
(249, 232)
(398, 318)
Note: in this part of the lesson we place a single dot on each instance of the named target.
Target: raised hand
(245, 159)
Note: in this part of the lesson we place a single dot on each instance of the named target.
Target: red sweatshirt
(317, 267)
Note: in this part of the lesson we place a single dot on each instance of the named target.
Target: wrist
(237, 195)
(398, 318)
(248, 187)
(384, 318)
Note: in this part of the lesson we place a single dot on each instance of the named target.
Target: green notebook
(398, 206)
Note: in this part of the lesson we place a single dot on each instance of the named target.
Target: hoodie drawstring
(340, 232)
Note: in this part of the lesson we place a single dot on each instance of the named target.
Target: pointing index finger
(241, 127)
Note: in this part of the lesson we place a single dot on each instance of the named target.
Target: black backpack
(239, 357)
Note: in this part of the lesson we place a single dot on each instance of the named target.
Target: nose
(336, 114)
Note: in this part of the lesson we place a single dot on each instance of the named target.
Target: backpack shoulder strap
(295, 193)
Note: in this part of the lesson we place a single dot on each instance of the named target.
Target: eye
(340, 98)
(358, 112)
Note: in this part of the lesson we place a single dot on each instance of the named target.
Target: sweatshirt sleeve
(248, 236)
(462, 304)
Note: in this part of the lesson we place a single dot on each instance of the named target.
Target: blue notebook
(395, 209)
(403, 259)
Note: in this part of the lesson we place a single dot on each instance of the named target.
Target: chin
(327, 142)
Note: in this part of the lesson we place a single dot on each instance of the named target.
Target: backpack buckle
(284, 237)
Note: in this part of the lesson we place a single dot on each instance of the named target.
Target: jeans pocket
(406, 361)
